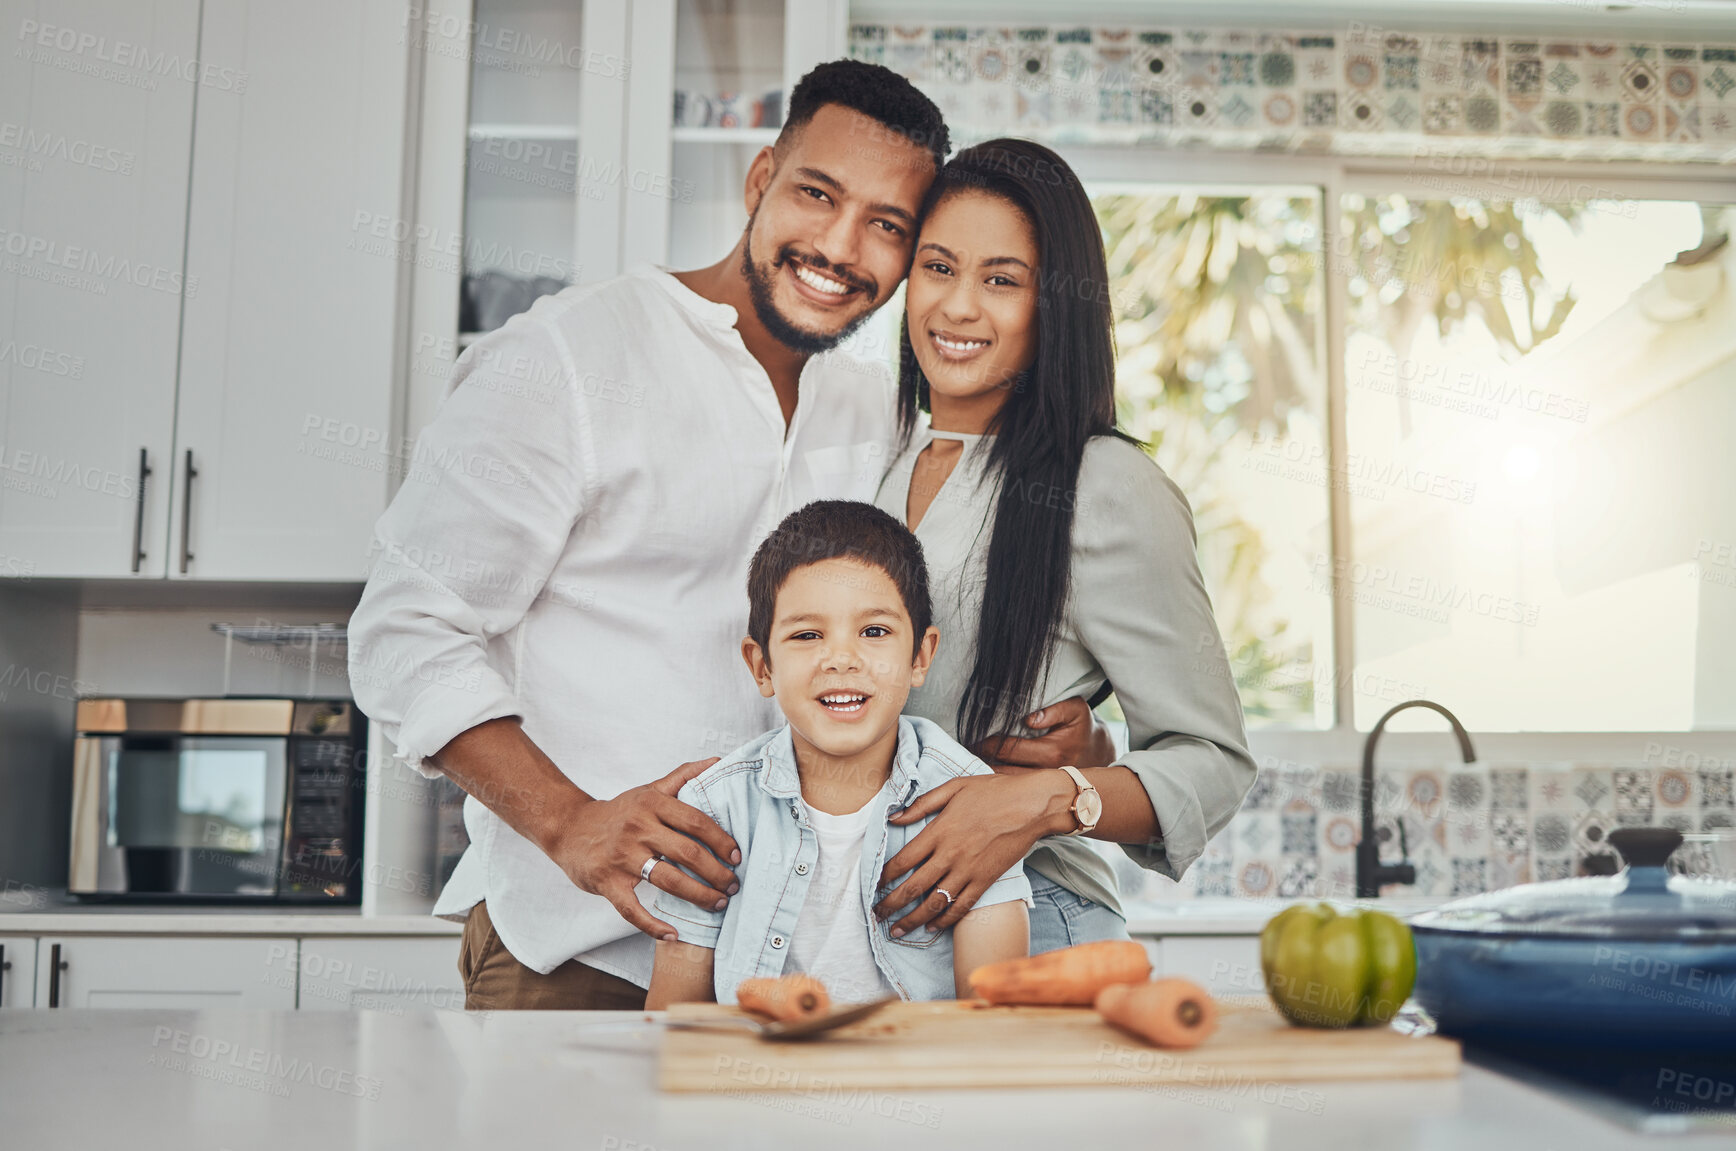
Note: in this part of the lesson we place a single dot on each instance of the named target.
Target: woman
(1061, 560)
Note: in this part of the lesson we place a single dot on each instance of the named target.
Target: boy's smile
(845, 704)
(843, 657)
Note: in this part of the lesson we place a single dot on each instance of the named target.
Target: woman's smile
(958, 348)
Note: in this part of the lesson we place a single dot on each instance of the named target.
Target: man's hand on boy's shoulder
(607, 841)
(1071, 734)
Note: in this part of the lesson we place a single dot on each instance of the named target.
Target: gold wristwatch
(1087, 805)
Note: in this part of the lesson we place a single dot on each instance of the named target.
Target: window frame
(1332, 177)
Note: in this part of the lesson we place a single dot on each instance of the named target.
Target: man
(555, 608)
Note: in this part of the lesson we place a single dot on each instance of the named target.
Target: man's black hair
(875, 91)
(837, 529)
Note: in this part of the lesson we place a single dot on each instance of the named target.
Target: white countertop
(153, 1079)
(133, 920)
(48, 917)
(1218, 916)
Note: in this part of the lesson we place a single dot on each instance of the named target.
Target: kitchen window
(1540, 521)
(1218, 298)
(1538, 407)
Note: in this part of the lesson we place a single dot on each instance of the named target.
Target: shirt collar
(710, 312)
(977, 447)
(720, 317)
(782, 779)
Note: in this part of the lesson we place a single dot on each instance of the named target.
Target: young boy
(838, 633)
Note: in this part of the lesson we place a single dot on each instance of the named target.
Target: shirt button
(801, 869)
(778, 942)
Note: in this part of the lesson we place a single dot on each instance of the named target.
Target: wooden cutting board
(956, 1044)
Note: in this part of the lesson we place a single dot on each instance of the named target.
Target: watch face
(1089, 807)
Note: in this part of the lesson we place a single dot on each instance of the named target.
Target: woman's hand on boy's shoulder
(979, 827)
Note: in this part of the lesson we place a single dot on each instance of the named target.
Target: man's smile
(825, 289)
(821, 281)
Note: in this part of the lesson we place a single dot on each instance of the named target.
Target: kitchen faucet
(1371, 873)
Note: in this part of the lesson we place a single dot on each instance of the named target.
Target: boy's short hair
(876, 92)
(837, 529)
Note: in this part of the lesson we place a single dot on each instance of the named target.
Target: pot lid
(1644, 902)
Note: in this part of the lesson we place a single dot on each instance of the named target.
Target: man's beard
(759, 290)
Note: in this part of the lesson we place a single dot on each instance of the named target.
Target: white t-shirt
(831, 937)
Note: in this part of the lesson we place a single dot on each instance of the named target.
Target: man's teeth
(825, 284)
(841, 702)
(960, 345)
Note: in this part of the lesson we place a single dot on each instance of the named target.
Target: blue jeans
(1061, 918)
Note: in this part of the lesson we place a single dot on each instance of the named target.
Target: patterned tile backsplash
(1359, 90)
(1470, 828)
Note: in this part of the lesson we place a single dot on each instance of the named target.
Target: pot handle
(1646, 850)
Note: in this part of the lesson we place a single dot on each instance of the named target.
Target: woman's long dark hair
(1064, 398)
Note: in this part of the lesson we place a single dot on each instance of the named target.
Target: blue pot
(1640, 960)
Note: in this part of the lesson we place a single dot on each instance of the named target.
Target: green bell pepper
(1326, 968)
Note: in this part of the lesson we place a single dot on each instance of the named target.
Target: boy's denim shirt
(756, 796)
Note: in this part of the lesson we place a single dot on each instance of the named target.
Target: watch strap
(1083, 785)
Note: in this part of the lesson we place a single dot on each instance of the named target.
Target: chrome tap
(1371, 873)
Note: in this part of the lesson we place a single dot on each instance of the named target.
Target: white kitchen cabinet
(393, 975)
(98, 99)
(158, 972)
(1222, 964)
(285, 442)
(17, 971)
(520, 185)
(554, 151)
(203, 226)
(733, 68)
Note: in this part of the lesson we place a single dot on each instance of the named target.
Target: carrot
(1070, 977)
(1168, 1012)
(788, 997)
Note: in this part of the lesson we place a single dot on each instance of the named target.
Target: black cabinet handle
(139, 512)
(4, 968)
(187, 514)
(55, 966)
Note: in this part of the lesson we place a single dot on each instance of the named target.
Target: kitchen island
(260, 1080)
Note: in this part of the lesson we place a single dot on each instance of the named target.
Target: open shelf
(761, 136)
(286, 635)
(499, 131)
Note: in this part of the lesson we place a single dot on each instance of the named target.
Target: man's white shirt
(571, 544)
